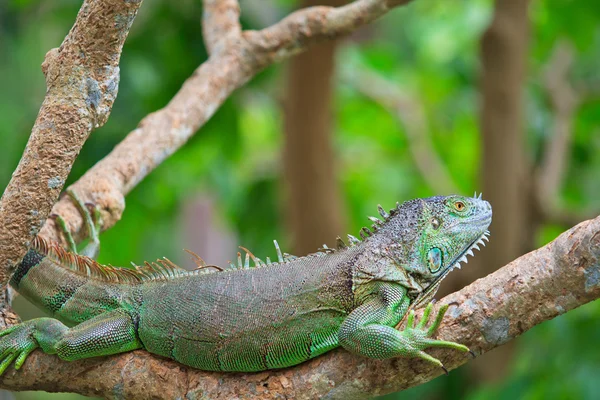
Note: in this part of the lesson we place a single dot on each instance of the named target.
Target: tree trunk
(313, 204)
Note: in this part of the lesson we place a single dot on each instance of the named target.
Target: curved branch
(233, 62)
(490, 312)
(82, 79)
(294, 33)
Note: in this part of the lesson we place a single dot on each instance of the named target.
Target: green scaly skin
(253, 319)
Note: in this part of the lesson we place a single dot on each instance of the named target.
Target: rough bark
(490, 312)
(313, 211)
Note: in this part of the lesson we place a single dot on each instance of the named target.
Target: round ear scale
(434, 259)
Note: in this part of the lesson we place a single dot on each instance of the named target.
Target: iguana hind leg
(92, 222)
(109, 333)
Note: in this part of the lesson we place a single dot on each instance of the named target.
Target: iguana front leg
(369, 329)
(109, 333)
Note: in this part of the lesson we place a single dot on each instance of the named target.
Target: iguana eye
(459, 205)
(434, 259)
(435, 223)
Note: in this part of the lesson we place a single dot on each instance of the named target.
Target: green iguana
(275, 315)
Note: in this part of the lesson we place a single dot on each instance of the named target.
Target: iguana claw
(16, 343)
(92, 221)
(419, 335)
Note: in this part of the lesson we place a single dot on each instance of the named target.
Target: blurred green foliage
(429, 49)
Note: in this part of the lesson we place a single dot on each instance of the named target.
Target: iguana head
(432, 236)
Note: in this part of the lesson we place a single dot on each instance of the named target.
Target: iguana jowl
(276, 315)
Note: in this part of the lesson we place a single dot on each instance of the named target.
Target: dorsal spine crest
(165, 269)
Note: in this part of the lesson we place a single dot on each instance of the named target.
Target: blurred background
(435, 98)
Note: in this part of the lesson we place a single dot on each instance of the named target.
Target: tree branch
(233, 62)
(490, 312)
(220, 18)
(82, 79)
(304, 27)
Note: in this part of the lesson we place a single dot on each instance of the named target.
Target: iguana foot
(419, 336)
(16, 343)
(93, 224)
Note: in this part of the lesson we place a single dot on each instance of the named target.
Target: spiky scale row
(161, 269)
(340, 244)
(165, 269)
(469, 251)
(83, 265)
(245, 264)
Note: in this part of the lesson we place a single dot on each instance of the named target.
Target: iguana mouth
(469, 251)
(455, 264)
(462, 257)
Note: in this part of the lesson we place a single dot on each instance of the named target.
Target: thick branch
(490, 312)
(233, 63)
(220, 18)
(82, 78)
